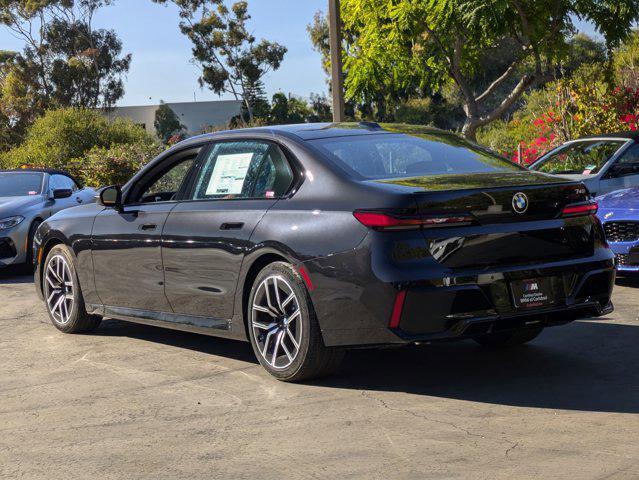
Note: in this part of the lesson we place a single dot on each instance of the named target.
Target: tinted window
(580, 158)
(395, 156)
(165, 184)
(243, 170)
(62, 182)
(20, 183)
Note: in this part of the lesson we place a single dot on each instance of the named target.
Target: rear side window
(245, 169)
(396, 156)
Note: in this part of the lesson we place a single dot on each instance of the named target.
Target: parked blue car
(619, 213)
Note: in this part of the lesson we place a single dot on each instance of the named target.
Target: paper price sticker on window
(229, 174)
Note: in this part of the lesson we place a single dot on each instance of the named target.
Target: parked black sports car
(307, 239)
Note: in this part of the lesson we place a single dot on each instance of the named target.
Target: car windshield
(18, 184)
(387, 156)
(579, 158)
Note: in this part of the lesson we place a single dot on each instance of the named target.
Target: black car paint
(355, 273)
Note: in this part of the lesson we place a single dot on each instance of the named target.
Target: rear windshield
(579, 158)
(396, 155)
(17, 184)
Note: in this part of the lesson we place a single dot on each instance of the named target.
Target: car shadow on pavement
(191, 341)
(14, 275)
(584, 366)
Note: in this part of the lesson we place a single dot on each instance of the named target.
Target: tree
(65, 61)
(231, 58)
(626, 62)
(411, 44)
(166, 122)
(286, 110)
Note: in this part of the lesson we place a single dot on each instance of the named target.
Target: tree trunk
(469, 131)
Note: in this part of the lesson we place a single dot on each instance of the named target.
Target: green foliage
(64, 62)
(231, 58)
(61, 138)
(288, 110)
(115, 165)
(166, 122)
(626, 62)
(407, 46)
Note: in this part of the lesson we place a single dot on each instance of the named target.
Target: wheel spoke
(292, 337)
(260, 308)
(264, 326)
(288, 354)
(276, 348)
(54, 273)
(288, 300)
(266, 340)
(56, 306)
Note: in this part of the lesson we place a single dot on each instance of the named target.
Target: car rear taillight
(580, 209)
(380, 220)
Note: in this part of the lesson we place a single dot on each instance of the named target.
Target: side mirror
(111, 197)
(62, 193)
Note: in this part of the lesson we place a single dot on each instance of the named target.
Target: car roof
(303, 131)
(629, 135)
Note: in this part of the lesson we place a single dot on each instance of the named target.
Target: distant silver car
(604, 163)
(27, 198)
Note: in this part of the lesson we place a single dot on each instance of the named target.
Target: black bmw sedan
(309, 239)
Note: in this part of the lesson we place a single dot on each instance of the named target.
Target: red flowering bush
(567, 111)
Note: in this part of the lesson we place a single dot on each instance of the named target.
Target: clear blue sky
(161, 68)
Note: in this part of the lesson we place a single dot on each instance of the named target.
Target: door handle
(78, 199)
(232, 226)
(148, 226)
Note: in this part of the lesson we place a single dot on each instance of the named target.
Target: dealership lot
(132, 401)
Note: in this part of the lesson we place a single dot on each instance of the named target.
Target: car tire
(283, 327)
(509, 339)
(30, 264)
(62, 294)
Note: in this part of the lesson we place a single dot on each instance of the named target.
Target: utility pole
(335, 28)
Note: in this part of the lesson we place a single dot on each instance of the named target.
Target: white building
(195, 116)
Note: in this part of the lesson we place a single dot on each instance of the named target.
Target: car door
(126, 244)
(623, 173)
(207, 236)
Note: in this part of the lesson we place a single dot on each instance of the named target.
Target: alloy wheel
(59, 289)
(276, 320)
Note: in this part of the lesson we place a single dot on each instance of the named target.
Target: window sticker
(229, 174)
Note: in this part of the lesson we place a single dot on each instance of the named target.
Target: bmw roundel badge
(520, 203)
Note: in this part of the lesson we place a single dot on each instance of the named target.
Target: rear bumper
(453, 306)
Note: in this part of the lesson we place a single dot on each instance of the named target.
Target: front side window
(18, 184)
(244, 169)
(163, 183)
(58, 182)
(580, 158)
(388, 156)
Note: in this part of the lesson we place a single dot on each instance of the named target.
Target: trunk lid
(503, 233)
